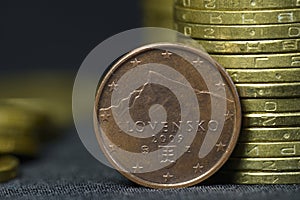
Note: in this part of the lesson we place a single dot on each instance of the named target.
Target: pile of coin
(19, 129)
(8, 168)
(258, 43)
(24, 126)
(157, 13)
(37, 116)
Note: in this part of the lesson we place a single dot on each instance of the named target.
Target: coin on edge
(267, 149)
(237, 4)
(271, 105)
(241, 177)
(167, 116)
(8, 168)
(239, 32)
(269, 90)
(259, 61)
(263, 164)
(265, 75)
(260, 134)
(20, 145)
(242, 17)
(251, 47)
(271, 119)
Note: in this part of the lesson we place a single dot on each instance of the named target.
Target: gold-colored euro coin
(237, 4)
(239, 177)
(259, 61)
(17, 117)
(17, 120)
(251, 47)
(270, 134)
(24, 146)
(264, 75)
(15, 131)
(239, 32)
(56, 117)
(8, 168)
(268, 90)
(270, 105)
(57, 108)
(229, 17)
(267, 149)
(263, 164)
(271, 119)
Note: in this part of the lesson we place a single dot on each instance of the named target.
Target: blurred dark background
(51, 34)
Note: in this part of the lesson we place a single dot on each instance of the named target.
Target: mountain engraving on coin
(171, 114)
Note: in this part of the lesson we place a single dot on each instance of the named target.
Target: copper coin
(167, 116)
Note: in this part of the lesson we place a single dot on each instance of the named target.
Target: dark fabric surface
(65, 170)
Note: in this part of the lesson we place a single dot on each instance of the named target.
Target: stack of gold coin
(258, 43)
(24, 125)
(8, 168)
(157, 13)
(19, 128)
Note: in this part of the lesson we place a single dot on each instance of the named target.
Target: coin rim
(233, 47)
(195, 14)
(249, 58)
(197, 29)
(261, 177)
(195, 2)
(11, 170)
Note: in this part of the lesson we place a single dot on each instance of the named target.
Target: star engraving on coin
(113, 86)
(166, 54)
(229, 115)
(135, 62)
(220, 146)
(137, 168)
(167, 176)
(112, 148)
(220, 84)
(105, 116)
(198, 61)
(198, 168)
